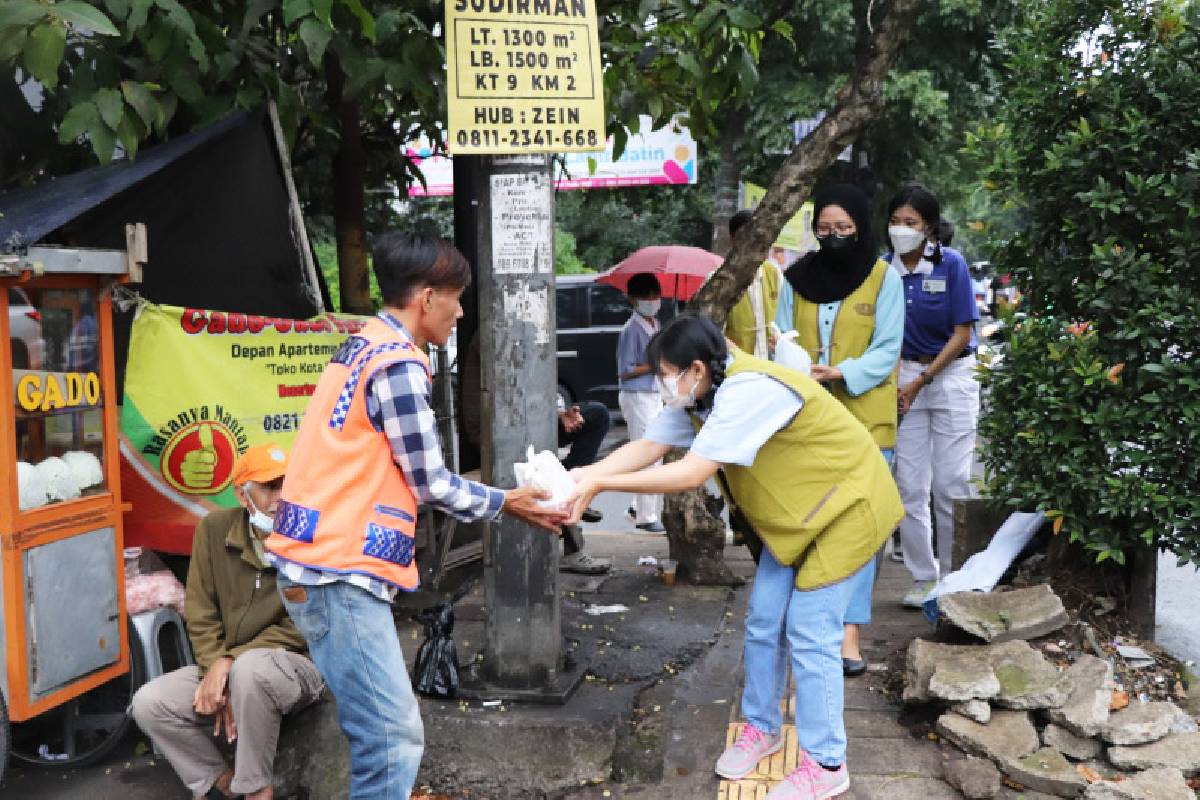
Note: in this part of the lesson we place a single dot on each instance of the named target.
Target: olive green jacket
(232, 604)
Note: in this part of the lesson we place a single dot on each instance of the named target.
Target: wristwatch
(925, 379)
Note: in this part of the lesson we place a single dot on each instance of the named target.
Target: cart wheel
(84, 730)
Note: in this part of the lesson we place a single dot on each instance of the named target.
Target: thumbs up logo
(199, 458)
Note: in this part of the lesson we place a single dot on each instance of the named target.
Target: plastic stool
(150, 627)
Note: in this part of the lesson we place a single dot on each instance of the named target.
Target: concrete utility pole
(513, 232)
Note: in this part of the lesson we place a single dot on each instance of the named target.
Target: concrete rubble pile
(1064, 730)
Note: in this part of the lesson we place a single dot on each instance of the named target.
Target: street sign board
(523, 76)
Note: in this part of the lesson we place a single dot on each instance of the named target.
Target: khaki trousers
(263, 686)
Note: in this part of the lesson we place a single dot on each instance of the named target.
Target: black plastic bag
(435, 673)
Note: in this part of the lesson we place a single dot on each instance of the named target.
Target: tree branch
(858, 103)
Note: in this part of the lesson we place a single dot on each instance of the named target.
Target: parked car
(590, 317)
(25, 330)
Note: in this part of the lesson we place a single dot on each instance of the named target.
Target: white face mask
(668, 390)
(647, 308)
(905, 239)
(258, 519)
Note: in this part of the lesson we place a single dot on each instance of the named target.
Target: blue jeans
(352, 639)
(808, 626)
(859, 612)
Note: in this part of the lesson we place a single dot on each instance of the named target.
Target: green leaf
(142, 101)
(178, 16)
(21, 13)
(103, 140)
(364, 18)
(295, 9)
(747, 71)
(254, 12)
(12, 41)
(784, 29)
(111, 106)
(689, 63)
(707, 16)
(44, 51)
(119, 8)
(744, 18)
(138, 12)
(77, 121)
(316, 36)
(129, 135)
(655, 106)
(86, 17)
(323, 10)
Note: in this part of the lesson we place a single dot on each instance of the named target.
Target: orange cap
(261, 463)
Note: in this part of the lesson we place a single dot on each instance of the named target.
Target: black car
(590, 317)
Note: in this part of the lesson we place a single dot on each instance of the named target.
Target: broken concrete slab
(1178, 750)
(1005, 616)
(1140, 723)
(978, 710)
(961, 677)
(1025, 678)
(1077, 747)
(1045, 771)
(1088, 683)
(1161, 783)
(976, 778)
(1009, 735)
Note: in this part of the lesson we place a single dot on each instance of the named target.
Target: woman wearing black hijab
(847, 308)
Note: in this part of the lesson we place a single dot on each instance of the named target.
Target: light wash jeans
(808, 626)
(859, 612)
(352, 639)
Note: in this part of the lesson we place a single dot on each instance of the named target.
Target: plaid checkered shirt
(397, 400)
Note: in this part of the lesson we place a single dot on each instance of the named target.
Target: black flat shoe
(853, 667)
(591, 515)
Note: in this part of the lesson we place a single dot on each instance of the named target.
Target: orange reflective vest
(346, 506)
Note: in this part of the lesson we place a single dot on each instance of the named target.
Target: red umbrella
(680, 269)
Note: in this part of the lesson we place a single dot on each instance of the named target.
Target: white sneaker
(916, 596)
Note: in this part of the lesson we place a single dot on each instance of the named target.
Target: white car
(25, 328)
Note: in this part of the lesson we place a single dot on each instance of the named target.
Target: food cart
(67, 679)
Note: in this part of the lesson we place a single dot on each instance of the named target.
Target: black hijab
(825, 275)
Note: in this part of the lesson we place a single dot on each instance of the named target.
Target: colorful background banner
(200, 387)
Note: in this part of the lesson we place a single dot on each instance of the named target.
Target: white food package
(59, 479)
(31, 487)
(86, 468)
(791, 355)
(544, 471)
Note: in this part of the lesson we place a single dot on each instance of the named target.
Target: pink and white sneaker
(740, 758)
(811, 781)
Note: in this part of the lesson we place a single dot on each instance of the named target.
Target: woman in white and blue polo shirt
(938, 392)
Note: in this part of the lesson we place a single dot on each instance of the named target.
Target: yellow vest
(819, 492)
(851, 336)
(739, 325)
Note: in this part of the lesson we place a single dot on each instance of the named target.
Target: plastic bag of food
(59, 479)
(792, 355)
(147, 592)
(31, 487)
(544, 471)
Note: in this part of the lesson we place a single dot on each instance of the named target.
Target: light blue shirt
(748, 409)
(873, 367)
(631, 351)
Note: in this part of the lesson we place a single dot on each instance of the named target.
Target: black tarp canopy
(217, 212)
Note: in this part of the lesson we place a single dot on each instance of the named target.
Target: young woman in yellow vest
(848, 311)
(748, 320)
(813, 483)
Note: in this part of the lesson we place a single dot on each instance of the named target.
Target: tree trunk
(697, 536)
(858, 102)
(729, 175)
(349, 194)
(1143, 585)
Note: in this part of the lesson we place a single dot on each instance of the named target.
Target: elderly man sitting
(251, 662)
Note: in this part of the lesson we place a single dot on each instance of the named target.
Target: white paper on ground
(983, 571)
(544, 471)
(596, 611)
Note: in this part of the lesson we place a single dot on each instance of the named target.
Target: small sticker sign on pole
(523, 76)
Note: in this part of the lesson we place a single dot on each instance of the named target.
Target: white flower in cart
(31, 487)
(86, 468)
(60, 481)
